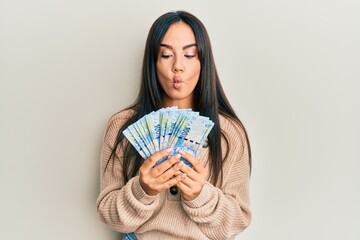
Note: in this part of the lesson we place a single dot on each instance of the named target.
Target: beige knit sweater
(217, 213)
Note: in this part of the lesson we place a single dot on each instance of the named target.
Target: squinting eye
(166, 56)
(189, 56)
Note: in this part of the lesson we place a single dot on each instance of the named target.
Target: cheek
(161, 76)
(161, 69)
(195, 71)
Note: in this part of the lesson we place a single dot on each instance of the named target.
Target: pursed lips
(177, 82)
(177, 79)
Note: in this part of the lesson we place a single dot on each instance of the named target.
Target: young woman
(209, 200)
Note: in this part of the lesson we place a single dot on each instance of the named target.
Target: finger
(190, 183)
(194, 161)
(183, 187)
(170, 173)
(153, 159)
(178, 172)
(190, 172)
(173, 181)
(165, 165)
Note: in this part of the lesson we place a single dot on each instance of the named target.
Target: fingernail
(168, 150)
(179, 165)
(177, 156)
(182, 152)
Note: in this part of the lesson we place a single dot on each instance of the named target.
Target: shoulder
(235, 140)
(117, 120)
(121, 117)
(233, 131)
(230, 126)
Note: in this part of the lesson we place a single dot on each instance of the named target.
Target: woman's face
(178, 65)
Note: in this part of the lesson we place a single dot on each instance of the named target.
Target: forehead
(178, 35)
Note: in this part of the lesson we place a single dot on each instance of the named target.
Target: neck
(181, 104)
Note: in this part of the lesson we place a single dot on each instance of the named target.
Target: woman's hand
(157, 179)
(195, 178)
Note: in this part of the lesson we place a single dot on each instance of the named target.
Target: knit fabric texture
(219, 212)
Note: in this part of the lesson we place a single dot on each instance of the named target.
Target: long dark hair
(209, 97)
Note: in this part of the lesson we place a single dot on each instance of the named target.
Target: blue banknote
(179, 129)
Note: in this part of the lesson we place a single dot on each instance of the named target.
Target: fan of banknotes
(179, 129)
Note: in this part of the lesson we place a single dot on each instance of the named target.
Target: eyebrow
(184, 47)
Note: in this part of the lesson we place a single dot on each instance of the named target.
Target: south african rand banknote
(179, 129)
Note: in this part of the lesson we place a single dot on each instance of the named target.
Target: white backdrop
(290, 68)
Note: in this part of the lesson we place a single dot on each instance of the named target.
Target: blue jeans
(130, 236)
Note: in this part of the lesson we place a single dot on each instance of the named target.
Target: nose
(177, 65)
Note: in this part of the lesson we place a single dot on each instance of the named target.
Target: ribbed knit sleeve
(123, 207)
(222, 212)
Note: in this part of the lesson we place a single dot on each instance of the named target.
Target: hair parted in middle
(209, 98)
